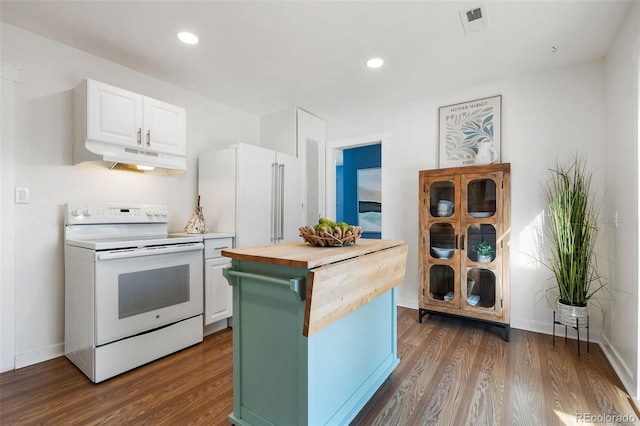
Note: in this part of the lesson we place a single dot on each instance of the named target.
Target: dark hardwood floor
(451, 372)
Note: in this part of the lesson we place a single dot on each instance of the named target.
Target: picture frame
(470, 133)
(370, 199)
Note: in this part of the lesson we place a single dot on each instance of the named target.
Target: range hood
(118, 157)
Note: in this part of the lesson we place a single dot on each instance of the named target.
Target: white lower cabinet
(217, 291)
(218, 296)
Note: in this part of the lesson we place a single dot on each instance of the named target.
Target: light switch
(22, 195)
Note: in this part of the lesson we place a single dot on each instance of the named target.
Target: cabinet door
(311, 148)
(218, 299)
(482, 242)
(439, 248)
(254, 210)
(114, 115)
(164, 127)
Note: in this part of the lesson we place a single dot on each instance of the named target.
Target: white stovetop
(207, 236)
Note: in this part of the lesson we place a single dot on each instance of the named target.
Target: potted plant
(485, 251)
(572, 230)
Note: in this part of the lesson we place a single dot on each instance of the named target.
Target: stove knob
(86, 212)
(164, 213)
(149, 213)
(156, 212)
(76, 212)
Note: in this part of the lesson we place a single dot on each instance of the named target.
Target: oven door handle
(148, 251)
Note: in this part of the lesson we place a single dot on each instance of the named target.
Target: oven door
(137, 290)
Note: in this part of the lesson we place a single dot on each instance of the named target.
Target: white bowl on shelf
(442, 253)
(480, 214)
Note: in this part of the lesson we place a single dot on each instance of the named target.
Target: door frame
(383, 138)
(10, 76)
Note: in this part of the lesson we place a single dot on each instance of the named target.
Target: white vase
(571, 315)
(484, 259)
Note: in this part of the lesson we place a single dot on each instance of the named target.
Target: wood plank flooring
(451, 372)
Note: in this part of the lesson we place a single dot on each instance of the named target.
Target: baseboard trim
(547, 328)
(40, 355)
(407, 303)
(621, 368)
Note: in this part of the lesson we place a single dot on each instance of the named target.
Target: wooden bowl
(326, 239)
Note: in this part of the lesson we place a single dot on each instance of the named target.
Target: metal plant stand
(576, 327)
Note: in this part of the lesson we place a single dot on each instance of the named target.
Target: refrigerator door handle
(274, 180)
(281, 215)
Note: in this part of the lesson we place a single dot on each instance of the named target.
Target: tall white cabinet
(299, 133)
(252, 192)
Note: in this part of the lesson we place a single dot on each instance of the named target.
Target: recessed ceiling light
(187, 37)
(375, 62)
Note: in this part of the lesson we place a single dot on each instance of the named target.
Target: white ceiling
(265, 56)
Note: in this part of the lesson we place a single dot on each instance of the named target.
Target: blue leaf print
(465, 130)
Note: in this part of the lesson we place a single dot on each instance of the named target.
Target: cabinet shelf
(464, 213)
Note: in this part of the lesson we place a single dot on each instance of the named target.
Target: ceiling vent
(474, 20)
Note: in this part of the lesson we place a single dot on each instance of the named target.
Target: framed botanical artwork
(470, 133)
(370, 199)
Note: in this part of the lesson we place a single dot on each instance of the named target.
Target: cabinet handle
(139, 136)
(281, 214)
(297, 285)
(457, 241)
(148, 137)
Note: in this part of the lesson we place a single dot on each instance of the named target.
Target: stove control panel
(94, 213)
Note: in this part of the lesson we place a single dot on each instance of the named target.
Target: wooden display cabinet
(461, 209)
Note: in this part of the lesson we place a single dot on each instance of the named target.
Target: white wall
(621, 336)
(544, 116)
(43, 163)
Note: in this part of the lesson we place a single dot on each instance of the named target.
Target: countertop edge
(302, 255)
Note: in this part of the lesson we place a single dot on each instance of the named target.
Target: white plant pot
(484, 259)
(568, 314)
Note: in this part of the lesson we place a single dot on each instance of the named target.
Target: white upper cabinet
(164, 126)
(114, 115)
(128, 119)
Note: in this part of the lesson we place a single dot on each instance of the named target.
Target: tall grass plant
(573, 230)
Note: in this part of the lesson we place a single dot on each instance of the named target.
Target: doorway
(355, 186)
(359, 189)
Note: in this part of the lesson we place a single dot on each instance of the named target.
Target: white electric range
(133, 293)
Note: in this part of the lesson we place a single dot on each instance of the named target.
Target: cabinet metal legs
(506, 327)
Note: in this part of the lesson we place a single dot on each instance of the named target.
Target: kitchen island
(314, 329)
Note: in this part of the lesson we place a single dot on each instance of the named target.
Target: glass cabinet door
(442, 279)
(441, 252)
(442, 239)
(442, 198)
(481, 242)
(481, 288)
(481, 198)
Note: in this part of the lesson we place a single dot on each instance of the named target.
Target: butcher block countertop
(303, 255)
(339, 279)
